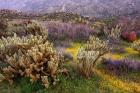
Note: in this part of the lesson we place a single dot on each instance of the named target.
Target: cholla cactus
(95, 44)
(136, 45)
(113, 34)
(89, 55)
(28, 27)
(45, 81)
(13, 43)
(86, 61)
(35, 28)
(33, 58)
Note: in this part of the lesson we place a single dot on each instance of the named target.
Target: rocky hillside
(97, 8)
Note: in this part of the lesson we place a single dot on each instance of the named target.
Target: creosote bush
(29, 56)
(90, 54)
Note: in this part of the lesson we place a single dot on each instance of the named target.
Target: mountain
(83, 7)
(14, 4)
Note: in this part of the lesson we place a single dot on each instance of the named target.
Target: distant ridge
(98, 8)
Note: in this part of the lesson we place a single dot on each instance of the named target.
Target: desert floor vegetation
(61, 55)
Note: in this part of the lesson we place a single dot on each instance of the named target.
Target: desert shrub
(121, 66)
(34, 27)
(129, 36)
(124, 35)
(138, 34)
(3, 26)
(136, 45)
(98, 26)
(63, 17)
(132, 36)
(30, 56)
(66, 55)
(68, 31)
(110, 22)
(27, 27)
(89, 54)
(129, 23)
(114, 34)
(10, 45)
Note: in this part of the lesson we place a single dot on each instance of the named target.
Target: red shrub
(124, 35)
(129, 36)
(132, 36)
